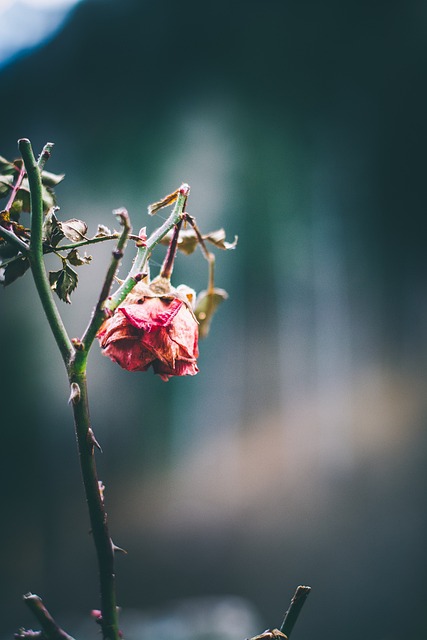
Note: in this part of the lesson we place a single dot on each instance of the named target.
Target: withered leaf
(218, 239)
(102, 231)
(52, 232)
(63, 282)
(188, 240)
(76, 259)
(206, 305)
(73, 229)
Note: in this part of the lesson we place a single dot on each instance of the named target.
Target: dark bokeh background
(298, 455)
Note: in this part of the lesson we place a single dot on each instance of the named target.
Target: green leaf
(206, 304)
(13, 270)
(5, 165)
(76, 259)
(52, 179)
(63, 282)
(6, 182)
(75, 230)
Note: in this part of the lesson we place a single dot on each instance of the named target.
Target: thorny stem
(95, 502)
(35, 254)
(75, 356)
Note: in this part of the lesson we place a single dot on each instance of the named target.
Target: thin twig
(51, 630)
(294, 609)
(144, 252)
(16, 187)
(98, 314)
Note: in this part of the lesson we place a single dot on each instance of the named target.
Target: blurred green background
(298, 455)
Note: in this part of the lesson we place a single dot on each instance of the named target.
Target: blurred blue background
(298, 455)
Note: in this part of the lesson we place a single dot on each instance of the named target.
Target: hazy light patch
(25, 24)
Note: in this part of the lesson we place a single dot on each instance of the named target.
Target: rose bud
(153, 327)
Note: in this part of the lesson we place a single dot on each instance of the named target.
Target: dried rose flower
(155, 326)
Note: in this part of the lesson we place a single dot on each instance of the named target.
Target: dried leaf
(206, 305)
(102, 231)
(63, 282)
(218, 239)
(76, 259)
(164, 202)
(52, 231)
(73, 229)
(188, 240)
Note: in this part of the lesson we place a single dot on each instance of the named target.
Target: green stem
(35, 254)
(95, 502)
(98, 315)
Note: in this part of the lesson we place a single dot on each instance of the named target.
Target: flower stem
(169, 260)
(35, 253)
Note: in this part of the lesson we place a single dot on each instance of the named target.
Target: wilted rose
(151, 329)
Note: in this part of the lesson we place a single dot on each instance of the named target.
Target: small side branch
(145, 251)
(296, 604)
(50, 629)
(98, 314)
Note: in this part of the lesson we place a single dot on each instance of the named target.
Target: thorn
(93, 442)
(117, 549)
(74, 394)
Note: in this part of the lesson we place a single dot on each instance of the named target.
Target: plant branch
(82, 243)
(16, 187)
(98, 314)
(35, 254)
(296, 604)
(95, 502)
(45, 155)
(51, 631)
(144, 252)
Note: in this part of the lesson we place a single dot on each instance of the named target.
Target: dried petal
(157, 331)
